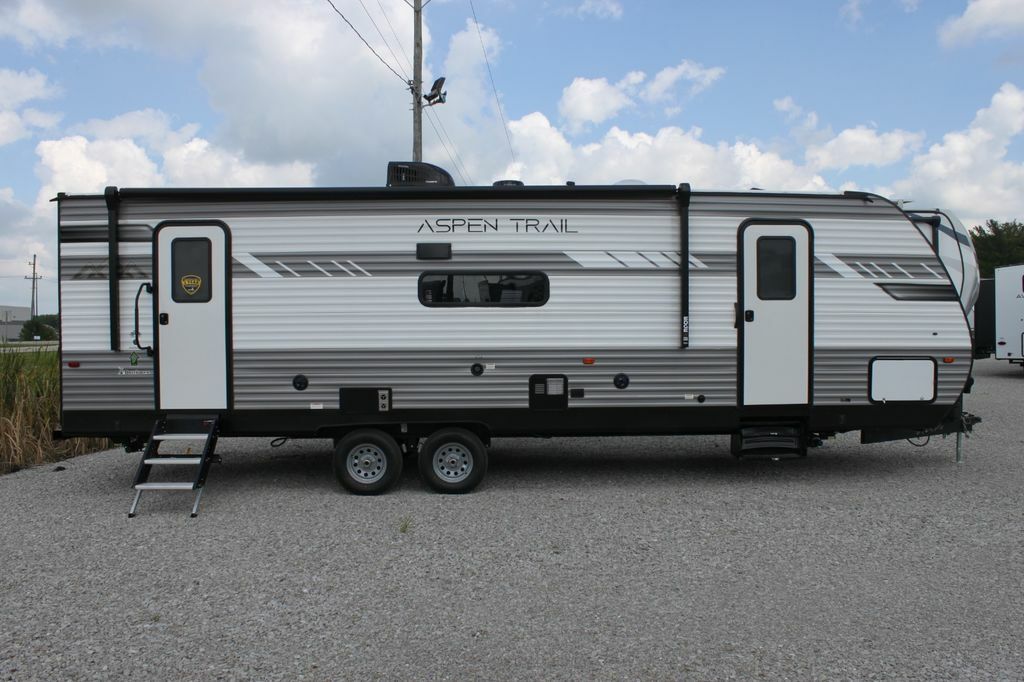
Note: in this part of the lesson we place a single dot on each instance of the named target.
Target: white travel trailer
(426, 319)
(1009, 313)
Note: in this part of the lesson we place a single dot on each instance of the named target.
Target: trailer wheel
(453, 461)
(367, 462)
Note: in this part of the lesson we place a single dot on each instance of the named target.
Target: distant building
(12, 317)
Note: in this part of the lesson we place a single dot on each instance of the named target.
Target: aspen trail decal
(191, 284)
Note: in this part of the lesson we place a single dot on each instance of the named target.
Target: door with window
(192, 316)
(775, 308)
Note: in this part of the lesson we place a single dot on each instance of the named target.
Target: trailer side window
(776, 268)
(500, 289)
(190, 270)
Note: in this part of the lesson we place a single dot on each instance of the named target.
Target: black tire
(367, 462)
(453, 461)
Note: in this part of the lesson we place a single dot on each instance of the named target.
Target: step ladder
(181, 428)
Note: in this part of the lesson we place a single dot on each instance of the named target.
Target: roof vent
(508, 183)
(405, 173)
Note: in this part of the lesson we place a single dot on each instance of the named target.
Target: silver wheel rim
(366, 463)
(453, 462)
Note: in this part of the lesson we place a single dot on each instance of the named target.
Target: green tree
(998, 244)
(50, 320)
(36, 327)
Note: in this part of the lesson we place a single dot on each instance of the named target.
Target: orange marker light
(949, 361)
(588, 361)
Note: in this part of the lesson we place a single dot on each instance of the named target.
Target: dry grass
(29, 412)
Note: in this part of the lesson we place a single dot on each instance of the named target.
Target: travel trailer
(1009, 314)
(421, 320)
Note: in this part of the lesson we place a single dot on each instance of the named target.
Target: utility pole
(417, 81)
(35, 288)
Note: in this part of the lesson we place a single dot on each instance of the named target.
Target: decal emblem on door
(191, 284)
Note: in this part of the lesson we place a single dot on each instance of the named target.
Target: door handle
(748, 315)
(164, 319)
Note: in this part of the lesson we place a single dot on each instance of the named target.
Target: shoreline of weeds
(30, 411)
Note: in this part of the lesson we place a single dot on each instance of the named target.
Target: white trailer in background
(1010, 314)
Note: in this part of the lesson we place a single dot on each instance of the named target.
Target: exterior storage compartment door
(775, 312)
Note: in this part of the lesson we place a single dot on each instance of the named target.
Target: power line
(441, 140)
(455, 149)
(508, 134)
(338, 12)
(395, 34)
(381, 34)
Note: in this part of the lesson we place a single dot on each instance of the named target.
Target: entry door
(775, 313)
(192, 317)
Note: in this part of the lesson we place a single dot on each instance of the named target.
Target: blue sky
(920, 100)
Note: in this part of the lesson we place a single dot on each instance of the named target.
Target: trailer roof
(389, 193)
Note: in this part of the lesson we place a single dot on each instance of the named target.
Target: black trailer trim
(567, 192)
(520, 422)
(683, 199)
(110, 195)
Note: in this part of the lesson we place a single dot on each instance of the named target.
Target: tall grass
(29, 411)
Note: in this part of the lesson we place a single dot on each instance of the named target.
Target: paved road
(577, 559)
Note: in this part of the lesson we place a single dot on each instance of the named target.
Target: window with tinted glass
(504, 289)
(190, 270)
(776, 268)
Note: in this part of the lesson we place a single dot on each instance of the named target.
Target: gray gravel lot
(577, 558)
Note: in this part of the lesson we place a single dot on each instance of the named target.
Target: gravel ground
(577, 558)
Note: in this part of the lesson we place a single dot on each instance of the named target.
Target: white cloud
(701, 77)
(19, 87)
(588, 101)
(341, 114)
(910, 6)
(967, 171)
(591, 100)
(602, 9)
(141, 149)
(852, 11)
(197, 162)
(805, 128)
(33, 21)
(41, 119)
(150, 125)
(982, 19)
(16, 89)
(670, 155)
(863, 146)
(11, 128)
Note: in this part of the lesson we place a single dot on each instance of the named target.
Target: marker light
(588, 361)
(949, 361)
(73, 364)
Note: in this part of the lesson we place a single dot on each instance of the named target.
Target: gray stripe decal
(880, 266)
(906, 291)
(95, 267)
(361, 264)
(73, 234)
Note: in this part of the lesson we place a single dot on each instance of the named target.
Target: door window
(776, 268)
(190, 270)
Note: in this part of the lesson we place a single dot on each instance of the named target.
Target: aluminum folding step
(180, 436)
(180, 428)
(170, 459)
(166, 485)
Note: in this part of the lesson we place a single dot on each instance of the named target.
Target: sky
(919, 100)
